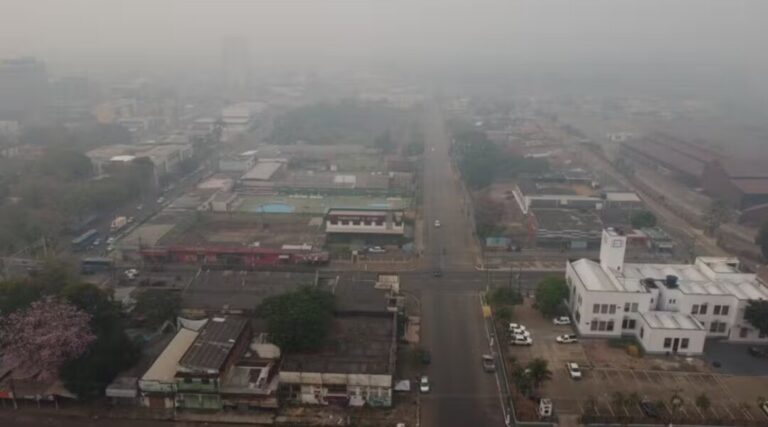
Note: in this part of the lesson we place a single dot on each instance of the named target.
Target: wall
(653, 339)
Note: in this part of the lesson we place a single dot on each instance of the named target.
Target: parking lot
(613, 382)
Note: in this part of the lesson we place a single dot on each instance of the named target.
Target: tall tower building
(23, 89)
(236, 66)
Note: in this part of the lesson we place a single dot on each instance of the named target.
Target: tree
(504, 314)
(717, 214)
(643, 219)
(44, 336)
(523, 382)
(538, 371)
(756, 314)
(299, 320)
(17, 295)
(156, 306)
(762, 240)
(488, 214)
(384, 142)
(109, 354)
(550, 294)
(505, 296)
(702, 402)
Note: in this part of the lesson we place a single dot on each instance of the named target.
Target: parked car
(160, 200)
(649, 409)
(489, 364)
(516, 326)
(758, 351)
(521, 340)
(567, 339)
(131, 273)
(376, 250)
(139, 207)
(424, 384)
(110, 240)
(437, 223)
(562, 320)
(574, 371)
(522, 332)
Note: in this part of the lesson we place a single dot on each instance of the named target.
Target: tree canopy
(550, 294)
(299, 320)
(643, 219)
(762, 239)
(45, 335)
(156, 306)
(756, 313)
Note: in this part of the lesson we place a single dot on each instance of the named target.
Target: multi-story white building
(667, 307)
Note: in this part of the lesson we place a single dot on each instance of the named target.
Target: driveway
(734, 359)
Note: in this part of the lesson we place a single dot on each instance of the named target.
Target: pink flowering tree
(44, 336)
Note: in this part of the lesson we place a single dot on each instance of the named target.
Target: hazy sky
(699, 31)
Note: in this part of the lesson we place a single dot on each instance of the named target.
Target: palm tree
(702, 402)
(538, 370)
(522, 380)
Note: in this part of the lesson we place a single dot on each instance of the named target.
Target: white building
(667, 307)
(362, 221)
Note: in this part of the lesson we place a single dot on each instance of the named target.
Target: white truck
(118, 223)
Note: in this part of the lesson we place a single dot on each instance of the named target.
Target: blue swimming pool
(275, 208)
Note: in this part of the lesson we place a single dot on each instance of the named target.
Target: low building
(566, 229)
(237, 162)
(166, 158)
(742, 185)
(158, 385)
(669, 308)
(363, 221)
(222, 201)
(203, 367)
(262, 171)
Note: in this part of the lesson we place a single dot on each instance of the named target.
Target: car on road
(757, 351)
(376, 250)
(574, 371)
(424, 384)
(649, 409)
(520, 340)
(131, 273)
(516, 326)
(437, 223)
(139, 207)
(437, 273)
(96, 242)
(567, 339)
(160, 200)
(110, 240)
(562, 320)
(489, 364)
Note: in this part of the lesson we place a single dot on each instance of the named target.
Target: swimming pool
(275, 208)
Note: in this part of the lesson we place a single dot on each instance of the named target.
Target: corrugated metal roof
(213, 344)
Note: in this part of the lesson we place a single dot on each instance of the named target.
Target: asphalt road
(453, 328)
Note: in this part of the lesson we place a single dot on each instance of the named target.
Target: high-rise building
(236, 66)
(23, 89)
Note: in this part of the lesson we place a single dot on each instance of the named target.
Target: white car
(521, 340)
(437, 223)
(517, 326)
(376, 250)
(110, 240)
(573, 370)
(567, 339)
(424, 384)
(522, 332)
(131, 273)
(562, 320)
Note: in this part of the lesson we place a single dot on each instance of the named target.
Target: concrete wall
(652, 339)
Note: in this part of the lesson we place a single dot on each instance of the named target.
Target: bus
(95, 265)
(82, 241)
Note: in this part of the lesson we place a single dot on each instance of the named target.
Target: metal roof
(213, 344)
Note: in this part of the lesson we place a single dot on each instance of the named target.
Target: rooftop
(164, 367)
(671, 320)
(355, 345)
(595, 278)
(213, 344)
(263, 171)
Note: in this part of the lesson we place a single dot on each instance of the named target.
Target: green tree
(756, 314)
(505, 296)
(703, 402)
(717, 214)
(522, 381)
(384, 142)
(299, 320)
(643, 219)
(156, 306)
(111, 353)
(550, 294)
(538, 371)
(762, 239)
(17, 294)
(503, 314)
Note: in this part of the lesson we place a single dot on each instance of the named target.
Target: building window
(695, 309)
(713, 326)
(205, 381)
(596, 308)
(604, 309)
(672, 301)
(703, 309)
(626, 306)
(716, 310)
(721, 327)
(601, 325)
(628, 323)
(610, 325)
(612, 309)
(187, 380)
(642, 331)
(743, 332)
(634, 307)
(725, 310)
(684, 343)
(667, 342)
(577, 315)
(593, 325)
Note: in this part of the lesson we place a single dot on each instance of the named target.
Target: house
(158, 385)
(364, 221)
(669, 308)
(206, 363)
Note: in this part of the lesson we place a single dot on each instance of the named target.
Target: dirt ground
(610, 372)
